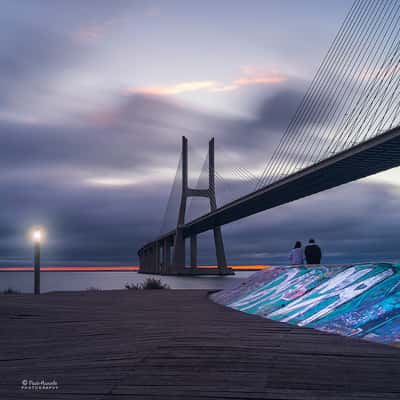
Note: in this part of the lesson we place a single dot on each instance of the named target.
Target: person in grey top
(296, 254)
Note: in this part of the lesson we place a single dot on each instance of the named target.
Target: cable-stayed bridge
(346, 127)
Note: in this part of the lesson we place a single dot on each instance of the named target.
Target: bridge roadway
(178, 344)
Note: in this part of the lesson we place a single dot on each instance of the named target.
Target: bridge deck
(178, 345)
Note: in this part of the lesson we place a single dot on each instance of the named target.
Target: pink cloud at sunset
(250, 75)
(94, 32)
(177, 88)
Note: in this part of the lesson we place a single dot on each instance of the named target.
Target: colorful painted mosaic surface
(356, 300)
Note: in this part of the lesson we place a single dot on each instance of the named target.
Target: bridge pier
(147, 266)
(193, 251)
(141, 261)
(152, 259)
(179, 256)
(156, 257)
(166, 256)
(219, 248)
(147, 260)
(218, 241)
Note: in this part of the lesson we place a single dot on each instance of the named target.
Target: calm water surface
(56, 281)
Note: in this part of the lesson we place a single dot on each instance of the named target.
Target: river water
(22, 281)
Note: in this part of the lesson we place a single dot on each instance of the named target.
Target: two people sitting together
(312, 253)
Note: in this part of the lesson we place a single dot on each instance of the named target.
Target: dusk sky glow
(95, 96)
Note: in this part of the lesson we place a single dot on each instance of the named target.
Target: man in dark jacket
(312, 252)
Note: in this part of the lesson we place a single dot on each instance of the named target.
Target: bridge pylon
(158, 257)
(179, 254)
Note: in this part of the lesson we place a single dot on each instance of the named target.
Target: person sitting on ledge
(313, 253)
(296, 254)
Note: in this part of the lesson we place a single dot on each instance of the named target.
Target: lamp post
(37, 237)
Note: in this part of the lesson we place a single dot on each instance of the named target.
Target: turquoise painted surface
(356, 300)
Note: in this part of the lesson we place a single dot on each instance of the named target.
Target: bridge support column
(145, 261)
(219, 243)
(179, 260)
(193, 251)
(140, 255)
(149, 262)
(163, 264)
(163, 260)
(145, 266)
(219, 248)
(167, 254)
(157, 257)
(151, 258)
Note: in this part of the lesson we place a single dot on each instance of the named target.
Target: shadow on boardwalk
(177, 344)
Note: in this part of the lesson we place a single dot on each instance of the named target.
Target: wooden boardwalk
(176, 344)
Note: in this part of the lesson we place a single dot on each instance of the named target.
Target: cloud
(113, 182)
(225, 88)
(99, 181)
(250, 75)
(257, 80)
(28, 58)
(90, 33)
(153, 11)
(43, 58)
(101, 187)
(177, 88)
(95, 31)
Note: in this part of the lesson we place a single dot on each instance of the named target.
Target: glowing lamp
(37, 235)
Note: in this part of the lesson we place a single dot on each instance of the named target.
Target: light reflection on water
(61, 281)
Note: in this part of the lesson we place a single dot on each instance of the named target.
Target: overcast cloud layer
(92, 159)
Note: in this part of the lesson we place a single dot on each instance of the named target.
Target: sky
(94, 99)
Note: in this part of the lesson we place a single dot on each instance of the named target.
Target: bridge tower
(167, 254)
(179, 254)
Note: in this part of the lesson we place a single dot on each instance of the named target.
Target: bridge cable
(360, 71)
(171, 211)
(335, 85)
(358, 60)
(350, 119)
(337, 43)
(313, 148)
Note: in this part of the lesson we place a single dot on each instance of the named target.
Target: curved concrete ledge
(356, 300)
